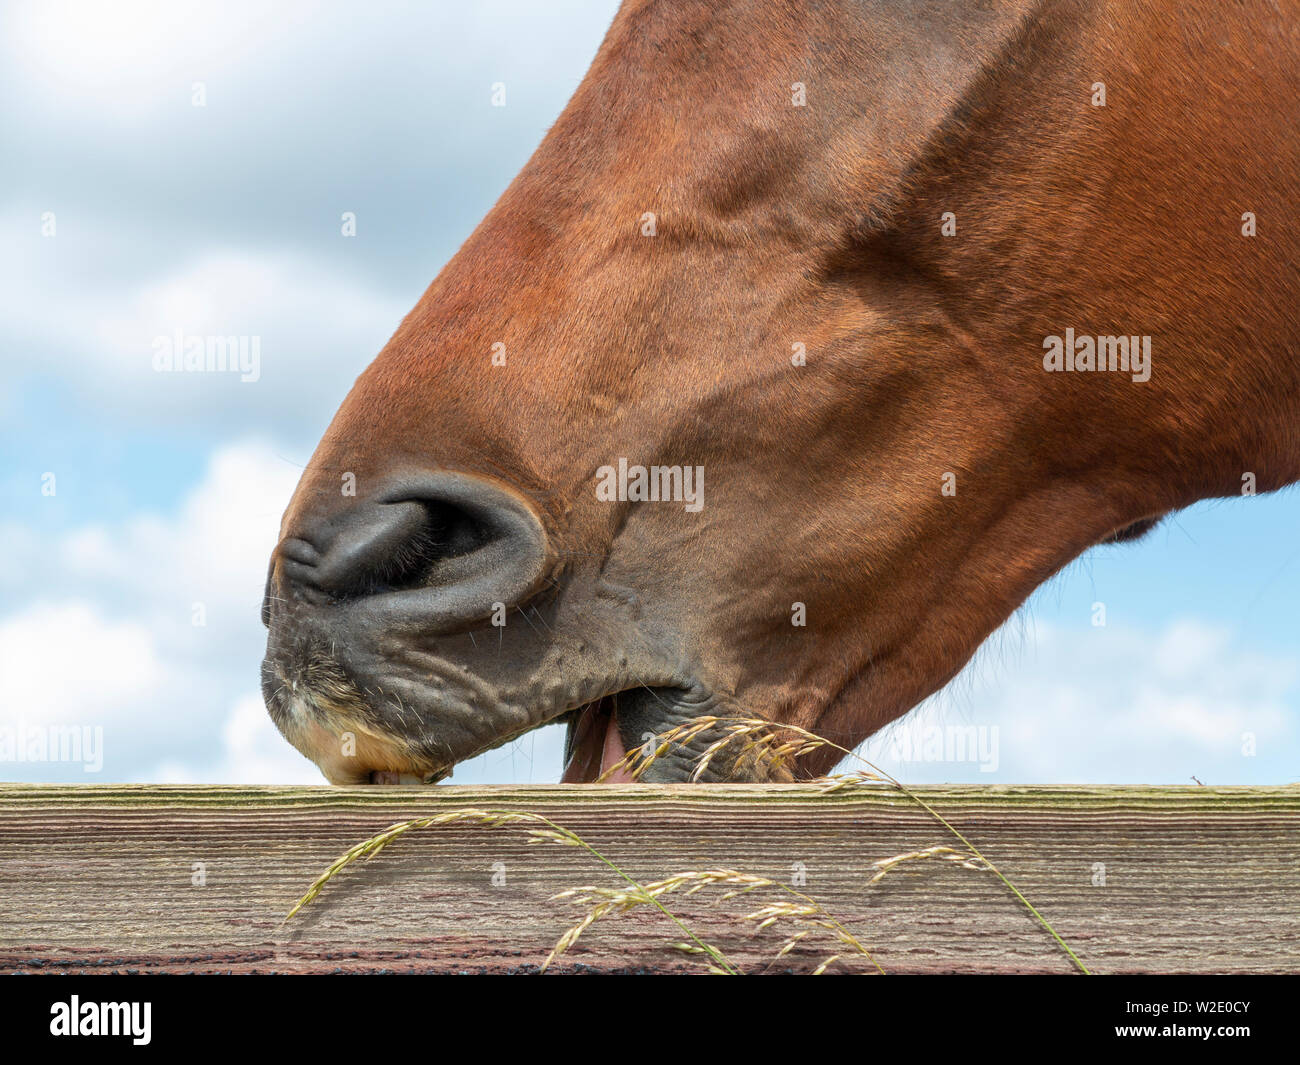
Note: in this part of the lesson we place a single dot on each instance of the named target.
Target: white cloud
(67, 663)
(214, 551)
(252, 752)
(239, 292)
(1113, 705)
(315, 328)
(193, 579)
(112, 643)
(123, 59)
(110, 637)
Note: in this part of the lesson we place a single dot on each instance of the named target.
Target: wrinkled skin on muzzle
(861, 463)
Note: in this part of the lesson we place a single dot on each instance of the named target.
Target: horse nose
(445, 548)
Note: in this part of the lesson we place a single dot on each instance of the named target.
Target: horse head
(808, 344)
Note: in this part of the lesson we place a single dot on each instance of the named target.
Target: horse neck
(1125, 218)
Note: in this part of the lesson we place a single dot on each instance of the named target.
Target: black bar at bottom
(432, 1016)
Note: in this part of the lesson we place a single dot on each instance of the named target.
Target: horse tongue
(593, 745)
(613, 752)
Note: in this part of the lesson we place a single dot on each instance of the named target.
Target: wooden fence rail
(107, 878)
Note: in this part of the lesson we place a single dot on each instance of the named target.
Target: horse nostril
(461, 542)
(369, 549)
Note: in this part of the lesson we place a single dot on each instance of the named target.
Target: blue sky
(225, 219)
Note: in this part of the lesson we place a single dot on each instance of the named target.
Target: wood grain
(99, 878)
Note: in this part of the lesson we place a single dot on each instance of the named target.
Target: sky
(187, 166)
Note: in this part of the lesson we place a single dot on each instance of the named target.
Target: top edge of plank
(1045, 797)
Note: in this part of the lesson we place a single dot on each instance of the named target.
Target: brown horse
(810, 341)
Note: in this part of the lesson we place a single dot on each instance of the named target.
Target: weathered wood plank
(98, 878)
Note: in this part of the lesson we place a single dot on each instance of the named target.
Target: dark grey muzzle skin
(431, 618)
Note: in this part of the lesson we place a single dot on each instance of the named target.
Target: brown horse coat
(853, 267)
